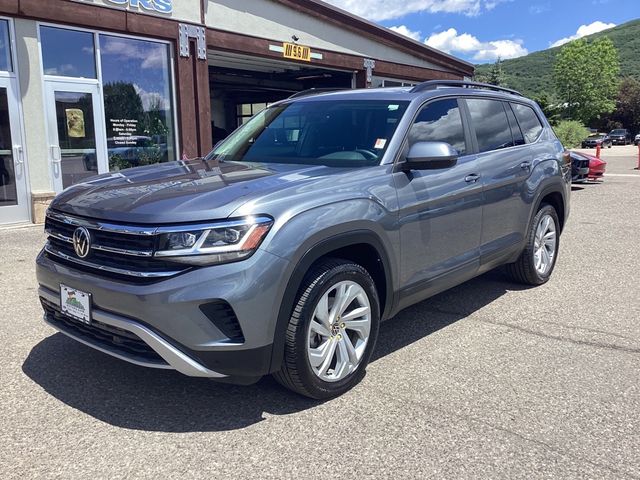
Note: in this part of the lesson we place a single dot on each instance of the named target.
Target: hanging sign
(296, 52)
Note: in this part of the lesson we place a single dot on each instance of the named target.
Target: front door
(14, 202)
(77, 148)
(440, 210)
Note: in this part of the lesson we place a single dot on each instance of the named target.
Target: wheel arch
(356, 246)
(553, 196)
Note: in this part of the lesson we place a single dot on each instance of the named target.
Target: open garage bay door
(242, 85)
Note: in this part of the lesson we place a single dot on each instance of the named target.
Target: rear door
(504, 161)
(440, 210)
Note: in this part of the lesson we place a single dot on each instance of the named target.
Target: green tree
(627, 111)
(571, 133)
(121, 101)
(494, 76)
(586, 75)
(551, 111)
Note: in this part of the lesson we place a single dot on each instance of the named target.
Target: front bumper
(102, 338)
(166, 316)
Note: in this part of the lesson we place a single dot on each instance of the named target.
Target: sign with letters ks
(160, 6)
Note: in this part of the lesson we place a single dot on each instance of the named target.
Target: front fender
(310, 235)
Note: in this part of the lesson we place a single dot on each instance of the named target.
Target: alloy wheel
(339, 331)
(545, 244)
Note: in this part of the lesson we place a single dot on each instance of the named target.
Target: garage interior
(242, 85)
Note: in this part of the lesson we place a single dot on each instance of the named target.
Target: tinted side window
(490, 122)
(516, 133)
(440, 121)
(529, 122)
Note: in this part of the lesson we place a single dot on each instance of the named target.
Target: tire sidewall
(544, 210)
(354, 273)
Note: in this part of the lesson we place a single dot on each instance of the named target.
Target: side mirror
(430, 156)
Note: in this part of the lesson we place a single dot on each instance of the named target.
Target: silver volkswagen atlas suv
(327, 213)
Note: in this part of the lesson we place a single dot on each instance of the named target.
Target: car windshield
(596, 136)
(618, 132)
(336, 133)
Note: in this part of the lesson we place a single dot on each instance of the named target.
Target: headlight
(216, 243)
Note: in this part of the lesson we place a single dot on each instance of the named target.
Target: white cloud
(583, 31)
(151, 100)
(503, 49)
(451, 42)
(404, 30)
(378, 10)
(150, 55)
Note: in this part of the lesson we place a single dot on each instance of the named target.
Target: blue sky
(481, 30)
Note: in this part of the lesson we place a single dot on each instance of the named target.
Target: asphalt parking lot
(488, 380)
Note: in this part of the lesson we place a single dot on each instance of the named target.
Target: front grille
(106, 336)
(117, 251)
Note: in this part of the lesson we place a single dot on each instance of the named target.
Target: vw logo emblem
(81, 242)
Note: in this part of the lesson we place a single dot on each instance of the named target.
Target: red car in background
(579, 162)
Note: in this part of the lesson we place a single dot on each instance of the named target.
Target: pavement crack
(603, 345)
(473, 418)
(585, 329)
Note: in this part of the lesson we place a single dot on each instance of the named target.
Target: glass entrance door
(14, 202)
(77, 147)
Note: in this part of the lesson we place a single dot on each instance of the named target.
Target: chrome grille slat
(54, 251)
(121, 251)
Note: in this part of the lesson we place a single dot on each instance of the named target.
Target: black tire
(523, 270)
(296, 373)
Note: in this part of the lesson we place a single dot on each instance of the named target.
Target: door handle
(525, 165)
(473, 178)
(17, 155)
(56, 156)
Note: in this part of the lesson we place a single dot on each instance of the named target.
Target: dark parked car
(592, 141)
(282, 250)
(579, 167)
(620, 136)
(586, 167)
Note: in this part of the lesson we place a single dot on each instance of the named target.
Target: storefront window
(5, 47)
(383, 82)
(248, 110)
(137, 101)
(68, 53)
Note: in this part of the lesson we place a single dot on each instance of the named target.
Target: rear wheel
(332, 331)
(537, 261)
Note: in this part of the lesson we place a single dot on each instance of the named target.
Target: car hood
(184, 191)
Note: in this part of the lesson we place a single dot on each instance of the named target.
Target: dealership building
(92, 86)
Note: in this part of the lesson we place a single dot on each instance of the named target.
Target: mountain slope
(533, 74)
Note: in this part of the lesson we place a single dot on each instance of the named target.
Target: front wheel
(537, 261)
(332, 331)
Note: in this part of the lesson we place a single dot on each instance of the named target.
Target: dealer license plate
(75, 303)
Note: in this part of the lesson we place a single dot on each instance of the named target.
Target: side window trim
(507, 109)
(542, 124)
(404, 149)
(472, 131)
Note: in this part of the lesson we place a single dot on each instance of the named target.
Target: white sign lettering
(161, 6)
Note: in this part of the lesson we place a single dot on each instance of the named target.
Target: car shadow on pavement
(129, 396)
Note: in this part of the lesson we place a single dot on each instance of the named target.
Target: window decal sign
(75, 122)
(160, 6)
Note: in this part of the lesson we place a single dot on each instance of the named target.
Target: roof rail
(315, 91)
(434, 84)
